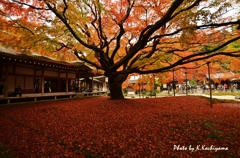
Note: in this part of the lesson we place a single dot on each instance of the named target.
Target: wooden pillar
(6, 81)
(42, 82)
(15, 76)
(59, 84)
(85, 83)
(92, 82)
(34, 77)
(66, 82)
(75, 81)
(2, 80)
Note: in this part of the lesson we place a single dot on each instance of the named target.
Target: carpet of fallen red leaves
(183, 126)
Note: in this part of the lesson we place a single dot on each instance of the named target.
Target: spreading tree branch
(87, 61)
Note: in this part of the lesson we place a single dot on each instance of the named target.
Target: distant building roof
(44, 60)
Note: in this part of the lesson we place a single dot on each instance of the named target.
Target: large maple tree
(121, 37)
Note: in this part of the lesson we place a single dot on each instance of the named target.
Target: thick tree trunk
(115, 86)
(116, 91)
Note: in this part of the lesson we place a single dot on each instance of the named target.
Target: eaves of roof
(44, 59)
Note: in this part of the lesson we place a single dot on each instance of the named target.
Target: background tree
(121, 37)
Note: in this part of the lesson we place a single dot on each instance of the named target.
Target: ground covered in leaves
(183, 126)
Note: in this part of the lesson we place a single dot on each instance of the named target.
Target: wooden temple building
(63, 79)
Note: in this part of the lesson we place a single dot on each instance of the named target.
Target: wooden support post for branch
(173, 86)
(139, 84)
(209, 83)
(155, 92)
(186, 84)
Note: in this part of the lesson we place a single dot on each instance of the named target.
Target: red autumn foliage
(100, 127)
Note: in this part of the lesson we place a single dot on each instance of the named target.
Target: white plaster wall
(164, 85)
